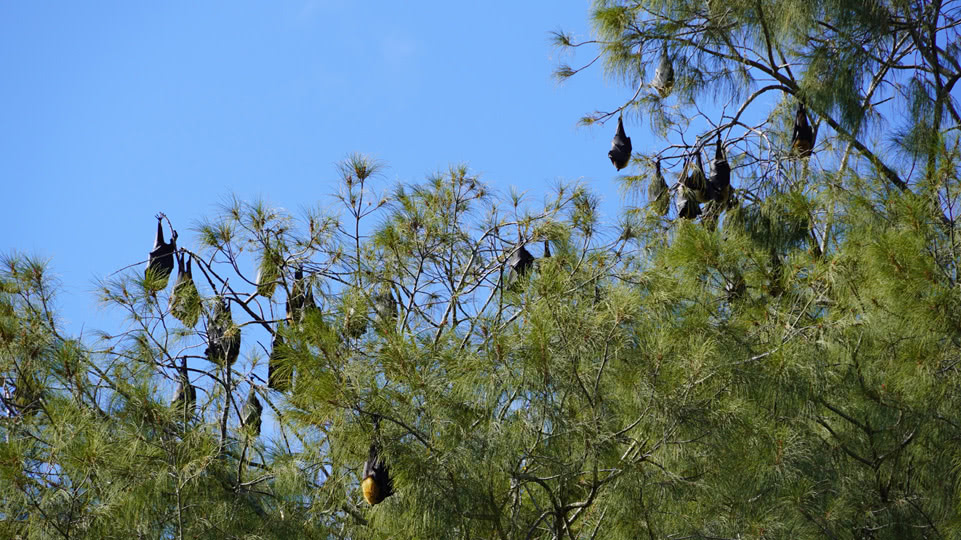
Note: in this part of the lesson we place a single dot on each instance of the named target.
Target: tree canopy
(781, 364)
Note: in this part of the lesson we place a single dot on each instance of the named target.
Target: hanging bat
(699, 180)
(301, 298)
(27, 394)
(657, 191)
(160, 261)
(267, 274)
(252, 411)
(355, 323)
(386, 307)
(279, 374)
(620, 152)
(185, 396)
(802, 140)
(719, 185)
(687, 205)
(223, 337)
(518, 265)
(663, 80)
(693, 179)
(185, 300)
(376, 483)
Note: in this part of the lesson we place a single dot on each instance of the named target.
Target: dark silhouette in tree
(686, 202)
(802, 140)
(27, 394)
(620, 152)
(160, 262)
(185, 396)
(657, 191)
(223, 337)
(719, 184)
(376, 483)
(252, 412)
(518, 265)
(185, 303)
(279, 373)
(301, 298)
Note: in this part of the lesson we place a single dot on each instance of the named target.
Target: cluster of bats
(223, 337)
(694, 187)
(223, 343)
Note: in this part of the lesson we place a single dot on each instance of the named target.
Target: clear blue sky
(113, 111)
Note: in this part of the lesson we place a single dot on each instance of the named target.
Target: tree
(783, 366)
(830, 354)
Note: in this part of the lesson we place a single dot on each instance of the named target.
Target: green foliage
(787, 367)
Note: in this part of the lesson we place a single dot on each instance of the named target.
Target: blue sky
(113, 111)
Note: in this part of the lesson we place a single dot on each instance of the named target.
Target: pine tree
(784, 365)
(814, 321)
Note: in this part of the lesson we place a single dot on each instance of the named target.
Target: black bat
(223, 338)
(279, 375)
(301, 298)
(620, 152)
(267, 274)
(376, 483)
(185, 396)
(252, 412)
(185, 300)
(693, 179)
(160, 262)
(518, 265)
(802, 140)
(719, 185)
(687, 205)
